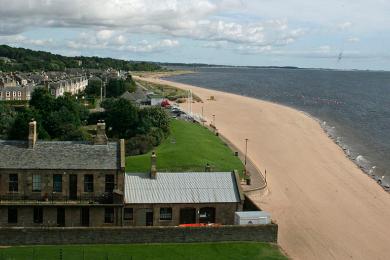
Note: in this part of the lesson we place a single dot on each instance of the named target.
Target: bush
(139, 144)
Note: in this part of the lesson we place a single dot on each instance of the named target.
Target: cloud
(344, 25)
(20, 39)
(118, 42)
(353, 39)
(104, 34)
(197, 20)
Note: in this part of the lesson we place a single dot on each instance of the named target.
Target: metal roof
(181, 187)
(59, 155)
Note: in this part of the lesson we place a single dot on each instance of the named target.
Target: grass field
(202, 251)
(188, 148)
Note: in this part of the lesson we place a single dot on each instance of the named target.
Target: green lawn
(189, 147)
(202, 251)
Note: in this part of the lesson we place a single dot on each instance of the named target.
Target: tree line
(27, 60)
(65, 118)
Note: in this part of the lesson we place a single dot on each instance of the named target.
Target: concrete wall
(28, 236)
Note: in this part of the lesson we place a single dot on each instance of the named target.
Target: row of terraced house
(15, 86)
(71, 184)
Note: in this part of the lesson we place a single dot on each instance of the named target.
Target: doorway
(187, 216)
(61, 217)
(73, 187)
(207, 215)
(149, 217)
(85, 217)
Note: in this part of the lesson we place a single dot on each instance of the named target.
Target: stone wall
(121, 235)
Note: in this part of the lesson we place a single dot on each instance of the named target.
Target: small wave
(363, 163)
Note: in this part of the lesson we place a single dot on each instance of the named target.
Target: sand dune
(325, 206)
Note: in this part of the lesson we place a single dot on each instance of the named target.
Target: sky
(338, 34)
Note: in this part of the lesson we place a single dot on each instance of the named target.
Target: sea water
(353, 107)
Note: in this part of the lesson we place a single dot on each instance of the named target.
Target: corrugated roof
(59, 155)
(183, 187)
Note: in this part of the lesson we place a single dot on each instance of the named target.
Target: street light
(246, 150)
(202, 117)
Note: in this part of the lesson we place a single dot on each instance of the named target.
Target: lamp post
(202, 117)
(246, 150)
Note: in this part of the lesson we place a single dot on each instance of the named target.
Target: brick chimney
(32, 134)
(153, 168)
(101, 137)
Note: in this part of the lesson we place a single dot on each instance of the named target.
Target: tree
(94, 87)
(7, 118)
(122, 118)
(116, 87)
(59, 123)
(19, 128)
(42, 100)
(153, 117)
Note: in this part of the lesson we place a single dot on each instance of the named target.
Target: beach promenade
(325, 206)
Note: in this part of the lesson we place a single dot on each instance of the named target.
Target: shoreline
(318, 196)
(368, 170)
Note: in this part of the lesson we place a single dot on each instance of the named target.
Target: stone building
(70, 184)
(17, 92)
(171, 199)
(64, 184)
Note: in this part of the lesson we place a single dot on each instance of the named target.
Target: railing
(105, 198)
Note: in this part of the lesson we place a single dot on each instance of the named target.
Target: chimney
(153, 169)
(207, 168)
(32, 133)
(100, 137)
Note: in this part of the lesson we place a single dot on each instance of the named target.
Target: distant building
(73, 85)
(16, 93)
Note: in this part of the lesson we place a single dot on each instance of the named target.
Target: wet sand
(326, 207)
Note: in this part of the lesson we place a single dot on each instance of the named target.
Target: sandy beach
(326, 207)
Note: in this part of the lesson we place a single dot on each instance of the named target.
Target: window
(12, 215)
(165, 213)
(8, 93)
(57, 183)
(13, 182)
(19, 94)
(128, 214)
(36, 182)
(14, 93)
(88, 183)
(109, 215)
(38, 215)
(110, 182)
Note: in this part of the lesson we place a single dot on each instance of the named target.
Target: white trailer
(252, 217)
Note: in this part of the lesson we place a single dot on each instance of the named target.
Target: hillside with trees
(20, 59)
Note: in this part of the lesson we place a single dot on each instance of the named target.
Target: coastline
(326, 207)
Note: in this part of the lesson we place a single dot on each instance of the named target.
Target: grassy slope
(202, 251)
(188, 148)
